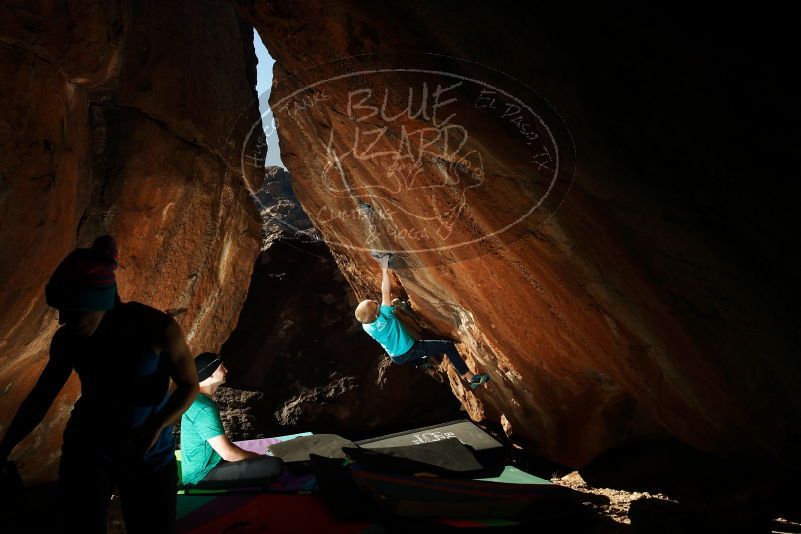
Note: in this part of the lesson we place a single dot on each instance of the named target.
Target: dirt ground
(616, 510)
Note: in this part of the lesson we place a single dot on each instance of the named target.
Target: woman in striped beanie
(83, 287)
(120, 430)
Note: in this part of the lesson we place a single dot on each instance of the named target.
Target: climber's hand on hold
(382, 258)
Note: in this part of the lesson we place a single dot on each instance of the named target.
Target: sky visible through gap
(264, 81)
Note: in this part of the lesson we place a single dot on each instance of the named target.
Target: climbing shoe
(478, 380)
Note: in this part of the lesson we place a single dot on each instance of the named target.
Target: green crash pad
(513, 475)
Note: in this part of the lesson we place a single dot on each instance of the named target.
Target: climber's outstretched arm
(386, 286)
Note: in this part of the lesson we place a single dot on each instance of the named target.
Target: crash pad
(513, 475)
(449, 457)
(201, 514)
(410, 496)
(346, 501)
(260, 445)
(464, 431)
(298, 449)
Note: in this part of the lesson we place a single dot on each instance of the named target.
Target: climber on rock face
(208, 458)
(120, 430)
(380, 322)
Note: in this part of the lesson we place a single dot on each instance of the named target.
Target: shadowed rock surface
(282, 215)
(298, 343)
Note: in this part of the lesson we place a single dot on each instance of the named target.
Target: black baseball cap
(206, 364)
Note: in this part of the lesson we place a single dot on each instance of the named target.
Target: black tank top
(123, 382)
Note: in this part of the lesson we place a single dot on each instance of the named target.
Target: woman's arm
(229, 451)
(181, 368)
(35, 406)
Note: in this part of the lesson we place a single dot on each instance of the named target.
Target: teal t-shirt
(199, 423)
(389, 331)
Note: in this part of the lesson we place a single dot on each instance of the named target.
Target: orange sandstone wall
(114, 118)
(643, 297)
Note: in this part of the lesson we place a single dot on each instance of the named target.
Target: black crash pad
(464, 431)
(298, 449)
(445, 457)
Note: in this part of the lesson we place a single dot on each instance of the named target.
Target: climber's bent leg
(434, 347)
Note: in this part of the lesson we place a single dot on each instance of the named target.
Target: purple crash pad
(259, 446)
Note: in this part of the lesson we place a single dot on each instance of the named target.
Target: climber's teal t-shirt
(389, 331)
(199, 423)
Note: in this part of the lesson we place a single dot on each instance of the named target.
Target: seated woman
(208, 458)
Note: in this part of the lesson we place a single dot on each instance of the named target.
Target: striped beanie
(85, 280)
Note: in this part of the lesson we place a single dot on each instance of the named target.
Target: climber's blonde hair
(366, 311)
